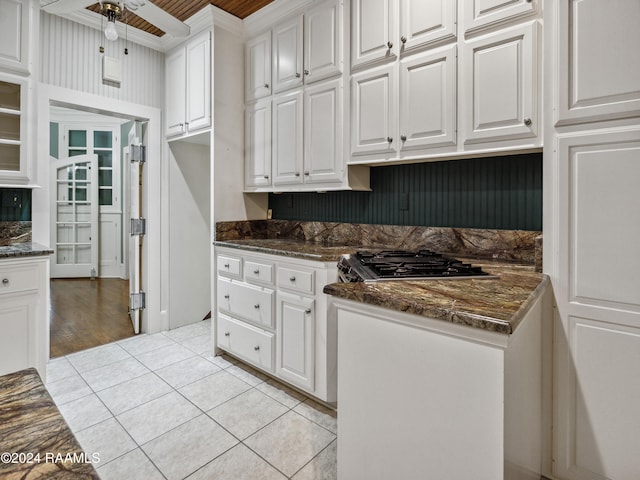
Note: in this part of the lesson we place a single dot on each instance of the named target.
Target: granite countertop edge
(290, 248)
(29, 249)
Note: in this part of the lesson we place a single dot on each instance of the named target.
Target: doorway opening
(91, 200)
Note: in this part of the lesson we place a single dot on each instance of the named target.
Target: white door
(296, 340)
(323, 132)
(258, 67)
(323, 41)
(374, 31)
(373, 111)
(75, 210)
(428, 99)
(287, 138)
(479, 14)
(198, 101)
(175, 67)
(423, 23)
(287, 55)
(135, 211)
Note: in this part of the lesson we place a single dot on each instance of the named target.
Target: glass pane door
(75, 235)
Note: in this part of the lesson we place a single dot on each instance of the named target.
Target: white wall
(70, 58)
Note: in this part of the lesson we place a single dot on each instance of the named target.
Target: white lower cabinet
(24, 342)
(273, 315)
(296, 323)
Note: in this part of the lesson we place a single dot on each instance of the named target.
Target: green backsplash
(15, 204)
(497, 192)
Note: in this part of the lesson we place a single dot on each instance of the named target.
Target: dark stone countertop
(29, 249)
(497, 304)
(320, 252)
(30, 423)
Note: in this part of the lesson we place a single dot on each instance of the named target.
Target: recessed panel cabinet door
(175, 67)
(14, 34)
(258, 144)
(484, 13)
(323, 147)
(500, 86)
(373, 31)
(373, 111)
(423, 23)
(258, 67)
(323, 41)
(428, 99)
(287, 55)
(198, 113)
(287, 138)
(295, 351)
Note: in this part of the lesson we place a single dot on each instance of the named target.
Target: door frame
(154, 317)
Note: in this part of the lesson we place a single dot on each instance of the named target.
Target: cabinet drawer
(18, 278)
(246, 301)
(296, 279)
(230, 266)
(247, 342)
(258, 272)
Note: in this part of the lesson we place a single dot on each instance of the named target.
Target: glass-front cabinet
(13, 132)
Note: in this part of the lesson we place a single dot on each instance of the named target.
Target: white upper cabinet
(14, 131)
(287, 138)
(423, 23)
(188, 86)
(15, 25)
(428, 99)
(373, 110)
(323, 132)
(258, 67)
(323, 43)
(287, 54)
(479, 14)
(596, 81)
(500, 86)
(258, 143)
(374, 31)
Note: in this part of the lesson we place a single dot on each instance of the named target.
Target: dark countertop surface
(320, 252)
(30, 249)
(497, 304)
(31, 424)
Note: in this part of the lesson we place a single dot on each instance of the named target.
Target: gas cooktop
(365, 266)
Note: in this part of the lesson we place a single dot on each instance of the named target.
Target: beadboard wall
(70, 58)
(497, 193)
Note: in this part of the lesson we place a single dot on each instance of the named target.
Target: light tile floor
(161, 407)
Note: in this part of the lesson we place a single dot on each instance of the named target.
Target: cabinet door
(374, 31)
(500, 86)
(323, 41)
(258, 144)
(484, 13)
(198, 98)
(175, 68)
(599, 72)
(295, 352)
(287, 138)
(14, 131)
(428, 99)
(287, 55)
(373, 111)
(424, 23)
(20, 345)
(323, 147)
(258, 67)
(14, 34)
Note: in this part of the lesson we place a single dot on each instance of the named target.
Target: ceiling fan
(113, 9)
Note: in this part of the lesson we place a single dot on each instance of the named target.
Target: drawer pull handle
(256, 272)
(256, 306)
(226, 334)
(256, 348)
(226, 295)
(5, 281)
(226, 265)
(292, 278)
(307, 311)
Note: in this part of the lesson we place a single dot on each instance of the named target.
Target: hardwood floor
(87, 313)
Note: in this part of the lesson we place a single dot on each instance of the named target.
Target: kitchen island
(444, 378)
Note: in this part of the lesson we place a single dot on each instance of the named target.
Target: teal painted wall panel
(496, 192)
(15, 204)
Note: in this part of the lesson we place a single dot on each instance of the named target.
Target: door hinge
(137, 301)
(138, 153)
(138, 226)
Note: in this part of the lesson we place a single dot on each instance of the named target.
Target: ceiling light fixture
(113, 12)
